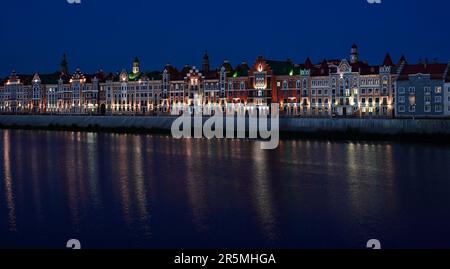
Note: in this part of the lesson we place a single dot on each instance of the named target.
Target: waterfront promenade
(288, 125)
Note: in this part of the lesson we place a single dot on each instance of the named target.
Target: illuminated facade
(447, 94)
(421, 91)
(331, 88)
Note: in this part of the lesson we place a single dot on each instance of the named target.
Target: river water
(147, 191)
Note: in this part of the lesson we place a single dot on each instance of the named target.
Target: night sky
(109, 33)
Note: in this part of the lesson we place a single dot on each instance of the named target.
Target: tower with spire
(205, 63)
(64, 66)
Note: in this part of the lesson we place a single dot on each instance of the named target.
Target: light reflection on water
(8, 187)
(142, 191)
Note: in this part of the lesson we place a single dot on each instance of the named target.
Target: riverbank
(342, 129)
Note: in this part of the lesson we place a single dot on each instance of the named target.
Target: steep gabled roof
(281, 68)
(308, 64)
(171, 69)
(241, 70)
(388, 60)
(173, 72)
(435, 70)
(228, 67)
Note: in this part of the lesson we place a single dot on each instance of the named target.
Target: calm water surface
(138, 191)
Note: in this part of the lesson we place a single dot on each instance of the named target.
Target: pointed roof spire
(308, 63)
(64, 60)
(64, 66)
(388, 60)
(402, 60)
(205, 63)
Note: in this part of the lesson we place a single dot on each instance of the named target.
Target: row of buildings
(331, 88)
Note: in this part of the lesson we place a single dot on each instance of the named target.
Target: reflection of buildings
(8, 181)
(348, 87)
(263, 197)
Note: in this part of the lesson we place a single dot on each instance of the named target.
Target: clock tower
(136, 69)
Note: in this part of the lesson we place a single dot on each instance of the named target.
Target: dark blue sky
(109, 33)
